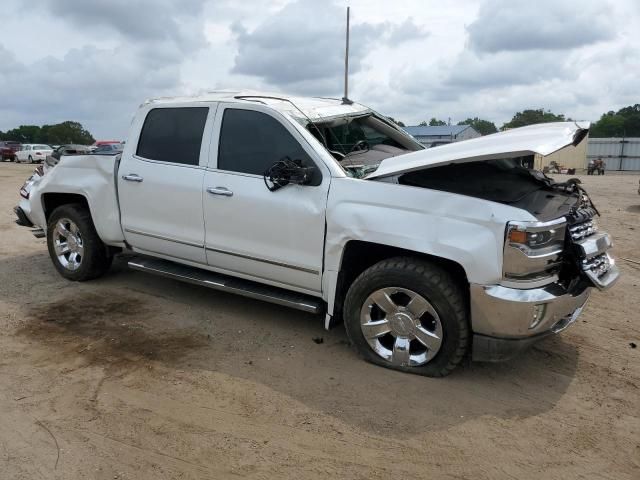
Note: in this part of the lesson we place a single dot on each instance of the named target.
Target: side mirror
(285, 172)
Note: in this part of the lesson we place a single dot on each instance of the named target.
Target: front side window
(251, 142)
(173, 135)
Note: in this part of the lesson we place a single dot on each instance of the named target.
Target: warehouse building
(619, 154)
(441, 135)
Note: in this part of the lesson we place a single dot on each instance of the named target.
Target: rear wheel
(408, 315)
(74, 246)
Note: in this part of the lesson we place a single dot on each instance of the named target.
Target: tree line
(623, 123)
(58, 134)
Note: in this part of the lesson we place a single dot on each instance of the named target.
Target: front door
(274, 237)
(160, 183)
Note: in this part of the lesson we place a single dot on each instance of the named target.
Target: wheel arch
(358, 255)
(51, 201)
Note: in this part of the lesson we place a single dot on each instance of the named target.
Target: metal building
(619, 154)
(440, 135)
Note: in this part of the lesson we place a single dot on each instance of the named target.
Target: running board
(218, 281)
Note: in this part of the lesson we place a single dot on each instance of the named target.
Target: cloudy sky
(95, 61)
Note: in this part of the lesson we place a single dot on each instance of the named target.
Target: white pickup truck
(427, 255)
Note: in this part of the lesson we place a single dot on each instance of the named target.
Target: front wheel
(74, 246)
(409, 315)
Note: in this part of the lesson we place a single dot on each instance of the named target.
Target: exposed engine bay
(504, 181)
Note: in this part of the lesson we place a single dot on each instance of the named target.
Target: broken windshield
(360, 143)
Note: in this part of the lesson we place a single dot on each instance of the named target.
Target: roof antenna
(345, 99)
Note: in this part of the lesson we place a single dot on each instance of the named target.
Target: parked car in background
(8, 150)
(33, 153)
(109, 149)
(70, 149)
(100, 143)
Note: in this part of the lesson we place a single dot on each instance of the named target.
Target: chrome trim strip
(262, 260)
(160, 237)
(535, 226)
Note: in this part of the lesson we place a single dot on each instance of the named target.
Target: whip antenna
(345, 99)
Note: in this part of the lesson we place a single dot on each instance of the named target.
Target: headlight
(533, 250)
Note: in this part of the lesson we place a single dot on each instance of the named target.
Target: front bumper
(509, 320)
(503, 318)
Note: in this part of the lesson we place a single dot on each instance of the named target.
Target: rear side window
(173, 135)
(250, 142)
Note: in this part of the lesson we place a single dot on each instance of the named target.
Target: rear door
(160, 181)
(273, 237)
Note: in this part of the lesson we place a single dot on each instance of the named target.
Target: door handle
(132, 177)
(220, 191)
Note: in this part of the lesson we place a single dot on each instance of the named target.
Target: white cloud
(95, 62)
(541, 25)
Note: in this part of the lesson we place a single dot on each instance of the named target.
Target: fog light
(538, 314)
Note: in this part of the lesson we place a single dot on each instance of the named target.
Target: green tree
(623, 123)
(483, 127)
(530, 117)
(65, 132)
(434, 122)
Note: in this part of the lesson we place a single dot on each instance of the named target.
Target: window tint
(173, 135)
(250, 142)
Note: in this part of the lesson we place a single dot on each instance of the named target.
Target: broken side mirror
(285, 172)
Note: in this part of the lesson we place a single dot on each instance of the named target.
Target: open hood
(543, 139)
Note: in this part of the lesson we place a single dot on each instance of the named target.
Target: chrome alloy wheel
(401, 326)
(67, 243)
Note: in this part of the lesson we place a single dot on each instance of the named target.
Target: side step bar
(226, 283)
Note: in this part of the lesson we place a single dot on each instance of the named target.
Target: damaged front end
(550, 262)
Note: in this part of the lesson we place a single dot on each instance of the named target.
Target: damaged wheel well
(51, 201)
(359, 255)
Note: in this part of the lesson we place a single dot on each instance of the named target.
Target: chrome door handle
(220, 191)
(132, 177)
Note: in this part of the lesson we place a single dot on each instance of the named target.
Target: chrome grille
(597, 265)
(582, 230)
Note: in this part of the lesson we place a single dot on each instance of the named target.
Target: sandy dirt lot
(137, 377)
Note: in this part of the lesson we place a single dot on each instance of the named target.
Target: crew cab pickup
(426, 255)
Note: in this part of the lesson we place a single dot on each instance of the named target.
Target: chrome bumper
(504, 312)
(506, 321)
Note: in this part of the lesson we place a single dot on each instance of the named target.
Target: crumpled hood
(543, 139)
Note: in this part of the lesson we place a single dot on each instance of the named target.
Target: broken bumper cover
(507, 321)
(22, 218)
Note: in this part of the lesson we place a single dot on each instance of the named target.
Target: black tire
(435, 285)
(95, 260)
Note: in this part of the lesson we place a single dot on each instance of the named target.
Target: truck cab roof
(316, 109)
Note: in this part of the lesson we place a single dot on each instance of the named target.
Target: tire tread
(436, 278)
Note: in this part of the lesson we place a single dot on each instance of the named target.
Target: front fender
(465, 230)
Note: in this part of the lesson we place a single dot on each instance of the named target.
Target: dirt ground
(137, 377)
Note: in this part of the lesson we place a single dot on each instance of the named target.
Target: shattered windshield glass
(360, 143)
